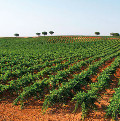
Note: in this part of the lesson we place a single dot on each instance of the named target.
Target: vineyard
(62, 70)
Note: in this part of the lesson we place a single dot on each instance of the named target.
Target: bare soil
(32, 110)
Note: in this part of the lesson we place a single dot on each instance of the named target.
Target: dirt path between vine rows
(32, 111)
(103, 102)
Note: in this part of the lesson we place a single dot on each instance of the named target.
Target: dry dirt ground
(32, 110)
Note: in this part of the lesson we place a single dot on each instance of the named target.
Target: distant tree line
(38, 34)
(51, 32)
(45, 33)
(112, 34)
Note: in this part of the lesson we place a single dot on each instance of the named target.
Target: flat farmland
(60, 78)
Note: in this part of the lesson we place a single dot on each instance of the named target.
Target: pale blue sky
(64, 17)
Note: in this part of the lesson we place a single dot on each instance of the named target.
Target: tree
(38, 34)
(112, 34)
(97, 33)
(115, 34)
(44, 33)
(16, 34)
(51, 32)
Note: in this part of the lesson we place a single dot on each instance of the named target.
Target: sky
(64, 17)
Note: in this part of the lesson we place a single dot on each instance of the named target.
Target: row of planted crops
(58, 70)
